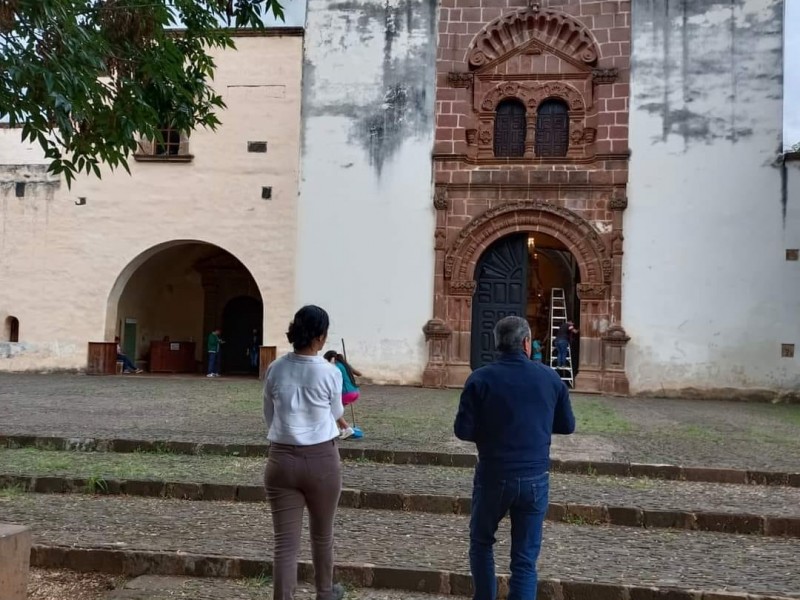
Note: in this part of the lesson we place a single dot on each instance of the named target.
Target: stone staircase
(405, 528)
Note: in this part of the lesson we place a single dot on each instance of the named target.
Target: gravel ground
(690, 432)
(150, 587)
(412, 479)
(609, 554)
(45, 584)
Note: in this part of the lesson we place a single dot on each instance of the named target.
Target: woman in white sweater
(302, 401)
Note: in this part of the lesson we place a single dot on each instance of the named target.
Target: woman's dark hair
(309, 323)
(329, 355)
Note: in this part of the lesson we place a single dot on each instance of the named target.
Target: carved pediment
(530, 28)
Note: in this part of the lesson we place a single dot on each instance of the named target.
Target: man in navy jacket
(510, 409)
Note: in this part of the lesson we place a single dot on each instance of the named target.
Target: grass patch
(12, 491)
(262, 581)
(595, 417)
(98, 467)
(696, 432)
(96, 484)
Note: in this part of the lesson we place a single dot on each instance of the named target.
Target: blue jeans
(561, 352)
(526, 500)
(127, 364)
(213, 362)
(254, 357)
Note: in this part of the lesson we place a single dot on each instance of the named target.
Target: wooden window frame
(148, 150)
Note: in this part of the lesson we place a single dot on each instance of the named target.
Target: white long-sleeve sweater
(302, 400)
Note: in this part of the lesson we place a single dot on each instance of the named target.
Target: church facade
(432, 166)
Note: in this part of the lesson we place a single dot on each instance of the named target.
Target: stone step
(600, 499)
(351, 451)
(403, 549)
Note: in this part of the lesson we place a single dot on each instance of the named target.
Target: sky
(791, 74)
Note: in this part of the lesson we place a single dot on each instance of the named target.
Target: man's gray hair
(509, 333)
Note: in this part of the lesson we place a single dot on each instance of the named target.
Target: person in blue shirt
(350, 391)
(510, 409)
(536, 351)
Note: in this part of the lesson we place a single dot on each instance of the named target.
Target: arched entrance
(169, 298)
(505, 261)
(242, 321)
(515, 276)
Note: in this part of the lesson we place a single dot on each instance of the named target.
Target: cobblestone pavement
(150, 587)
(413, 479)
(607, 554)
(689, 432)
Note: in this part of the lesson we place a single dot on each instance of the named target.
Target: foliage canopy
(86, 79)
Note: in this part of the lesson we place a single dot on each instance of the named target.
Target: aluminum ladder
(558, 316)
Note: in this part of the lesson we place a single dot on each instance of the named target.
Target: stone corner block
(15, 555)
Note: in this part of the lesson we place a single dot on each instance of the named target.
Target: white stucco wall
(708, 297)
(59, 262)
(366, 217)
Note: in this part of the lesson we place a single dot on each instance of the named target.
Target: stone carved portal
(454, 322)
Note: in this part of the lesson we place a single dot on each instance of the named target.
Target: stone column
(437, 331)
(594, 308)
(437, 335)
(615, 381)
(459, 317)
(15, 556)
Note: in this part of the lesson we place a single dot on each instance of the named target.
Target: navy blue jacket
(510, 409)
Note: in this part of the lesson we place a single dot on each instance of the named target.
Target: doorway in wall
(515, 276)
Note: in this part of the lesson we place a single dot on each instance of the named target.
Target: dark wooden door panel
(501, 290)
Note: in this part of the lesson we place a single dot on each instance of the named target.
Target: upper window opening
(552, 128)
(173, 144)
(12, 329)
(510, 127)
(170, 145)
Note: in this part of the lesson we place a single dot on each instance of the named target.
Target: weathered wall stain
(690, 53)
(399, 104)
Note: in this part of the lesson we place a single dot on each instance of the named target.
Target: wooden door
(129, 339)
(501, 290)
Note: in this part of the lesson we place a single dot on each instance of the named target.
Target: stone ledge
(587, 514)
(407, 457)
(139, 562)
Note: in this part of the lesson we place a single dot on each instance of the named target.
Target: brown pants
(296, 477)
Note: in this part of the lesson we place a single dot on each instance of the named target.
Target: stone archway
(602, 339)
(176, 292)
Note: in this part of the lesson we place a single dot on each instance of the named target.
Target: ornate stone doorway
(500, 236)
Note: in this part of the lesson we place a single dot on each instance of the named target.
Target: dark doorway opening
(515, 276)
(242, 320)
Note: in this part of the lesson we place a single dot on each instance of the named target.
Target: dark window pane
(171, 145)
(552, 128)
(509, 129)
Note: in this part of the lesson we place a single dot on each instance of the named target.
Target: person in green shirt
(214, 346)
